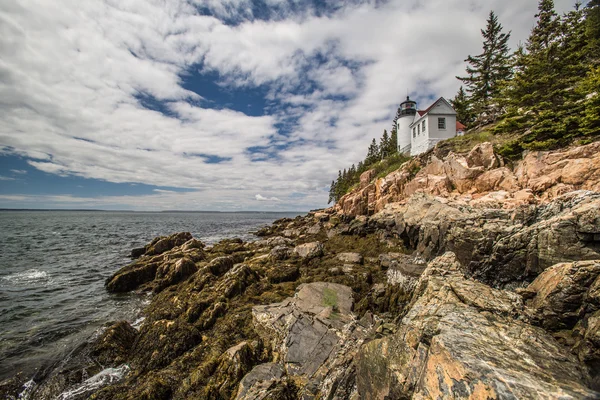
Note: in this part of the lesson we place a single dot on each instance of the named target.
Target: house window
(418, 129)
(423, 126)
(442, 123)
(414, 132)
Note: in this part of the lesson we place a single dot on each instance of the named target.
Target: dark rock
(112, 348)
(560, 294)
(284, 273)
(280, 253)
(159, 271)
(220, 265)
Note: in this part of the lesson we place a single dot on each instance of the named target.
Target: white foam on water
(27, 389)
(138, 323)
(102, 378)
(29, 276)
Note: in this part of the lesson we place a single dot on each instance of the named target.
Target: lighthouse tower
(408, 109)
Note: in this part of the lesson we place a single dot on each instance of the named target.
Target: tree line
(547, 90)
(386, 149)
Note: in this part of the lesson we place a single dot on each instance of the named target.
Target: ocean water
(53, 265)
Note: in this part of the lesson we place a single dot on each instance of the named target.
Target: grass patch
(330, 298)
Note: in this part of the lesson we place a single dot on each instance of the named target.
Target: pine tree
(590, 88)
(384, 144)
(488, 70)
(462, 106)
(372, 153)
(393, 141)
(332, 196)
(592, 31)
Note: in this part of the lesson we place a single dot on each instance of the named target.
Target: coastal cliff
(456, 276)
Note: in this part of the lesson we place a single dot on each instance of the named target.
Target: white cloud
(262, 198)
(71, 73)
(6, 178)
(19, 171)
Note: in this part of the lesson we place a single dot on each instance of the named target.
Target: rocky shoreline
(457, 276)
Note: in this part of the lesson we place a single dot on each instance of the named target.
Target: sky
(229, 105)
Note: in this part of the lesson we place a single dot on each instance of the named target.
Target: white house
(419, 131)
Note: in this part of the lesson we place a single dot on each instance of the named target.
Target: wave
(25, 277)
(102, 378)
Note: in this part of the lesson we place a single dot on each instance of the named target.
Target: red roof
(421, 112)
(460, 127)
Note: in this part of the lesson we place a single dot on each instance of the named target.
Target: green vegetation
(383, 158)
(330, 298)
(544, 96)
(486, 74)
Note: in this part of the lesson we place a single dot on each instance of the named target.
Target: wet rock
(460, 339)
(309, 250)
(161, 244)
(159, 271)
(162, 341)
(220, 265)
(113, 347)
(171, 273)
(283, 273)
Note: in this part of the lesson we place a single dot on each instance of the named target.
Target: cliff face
(454, 277)
(480, 178)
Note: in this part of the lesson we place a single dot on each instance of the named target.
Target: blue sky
(216, 104)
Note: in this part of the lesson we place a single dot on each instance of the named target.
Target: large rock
(161, 244)
(314, 334)
(460, 339)
(159, 271)
(578, 167)
(499, 246)
(547, 174)
(309, 250)
(559, 295)
(113, 347)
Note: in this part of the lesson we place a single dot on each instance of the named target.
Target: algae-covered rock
(161, 244)
(156, 272)
(113, 347)
(283, 273)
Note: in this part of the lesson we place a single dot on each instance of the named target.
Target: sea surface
(53, 265)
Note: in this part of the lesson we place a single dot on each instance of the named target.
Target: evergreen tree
(384, 144)
(488, 70)
(393, 141)
(590, 88)
(462, 106)
(592, 31)
(372, 153)
(332, 196)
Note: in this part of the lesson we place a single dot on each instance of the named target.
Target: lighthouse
(408, 110)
